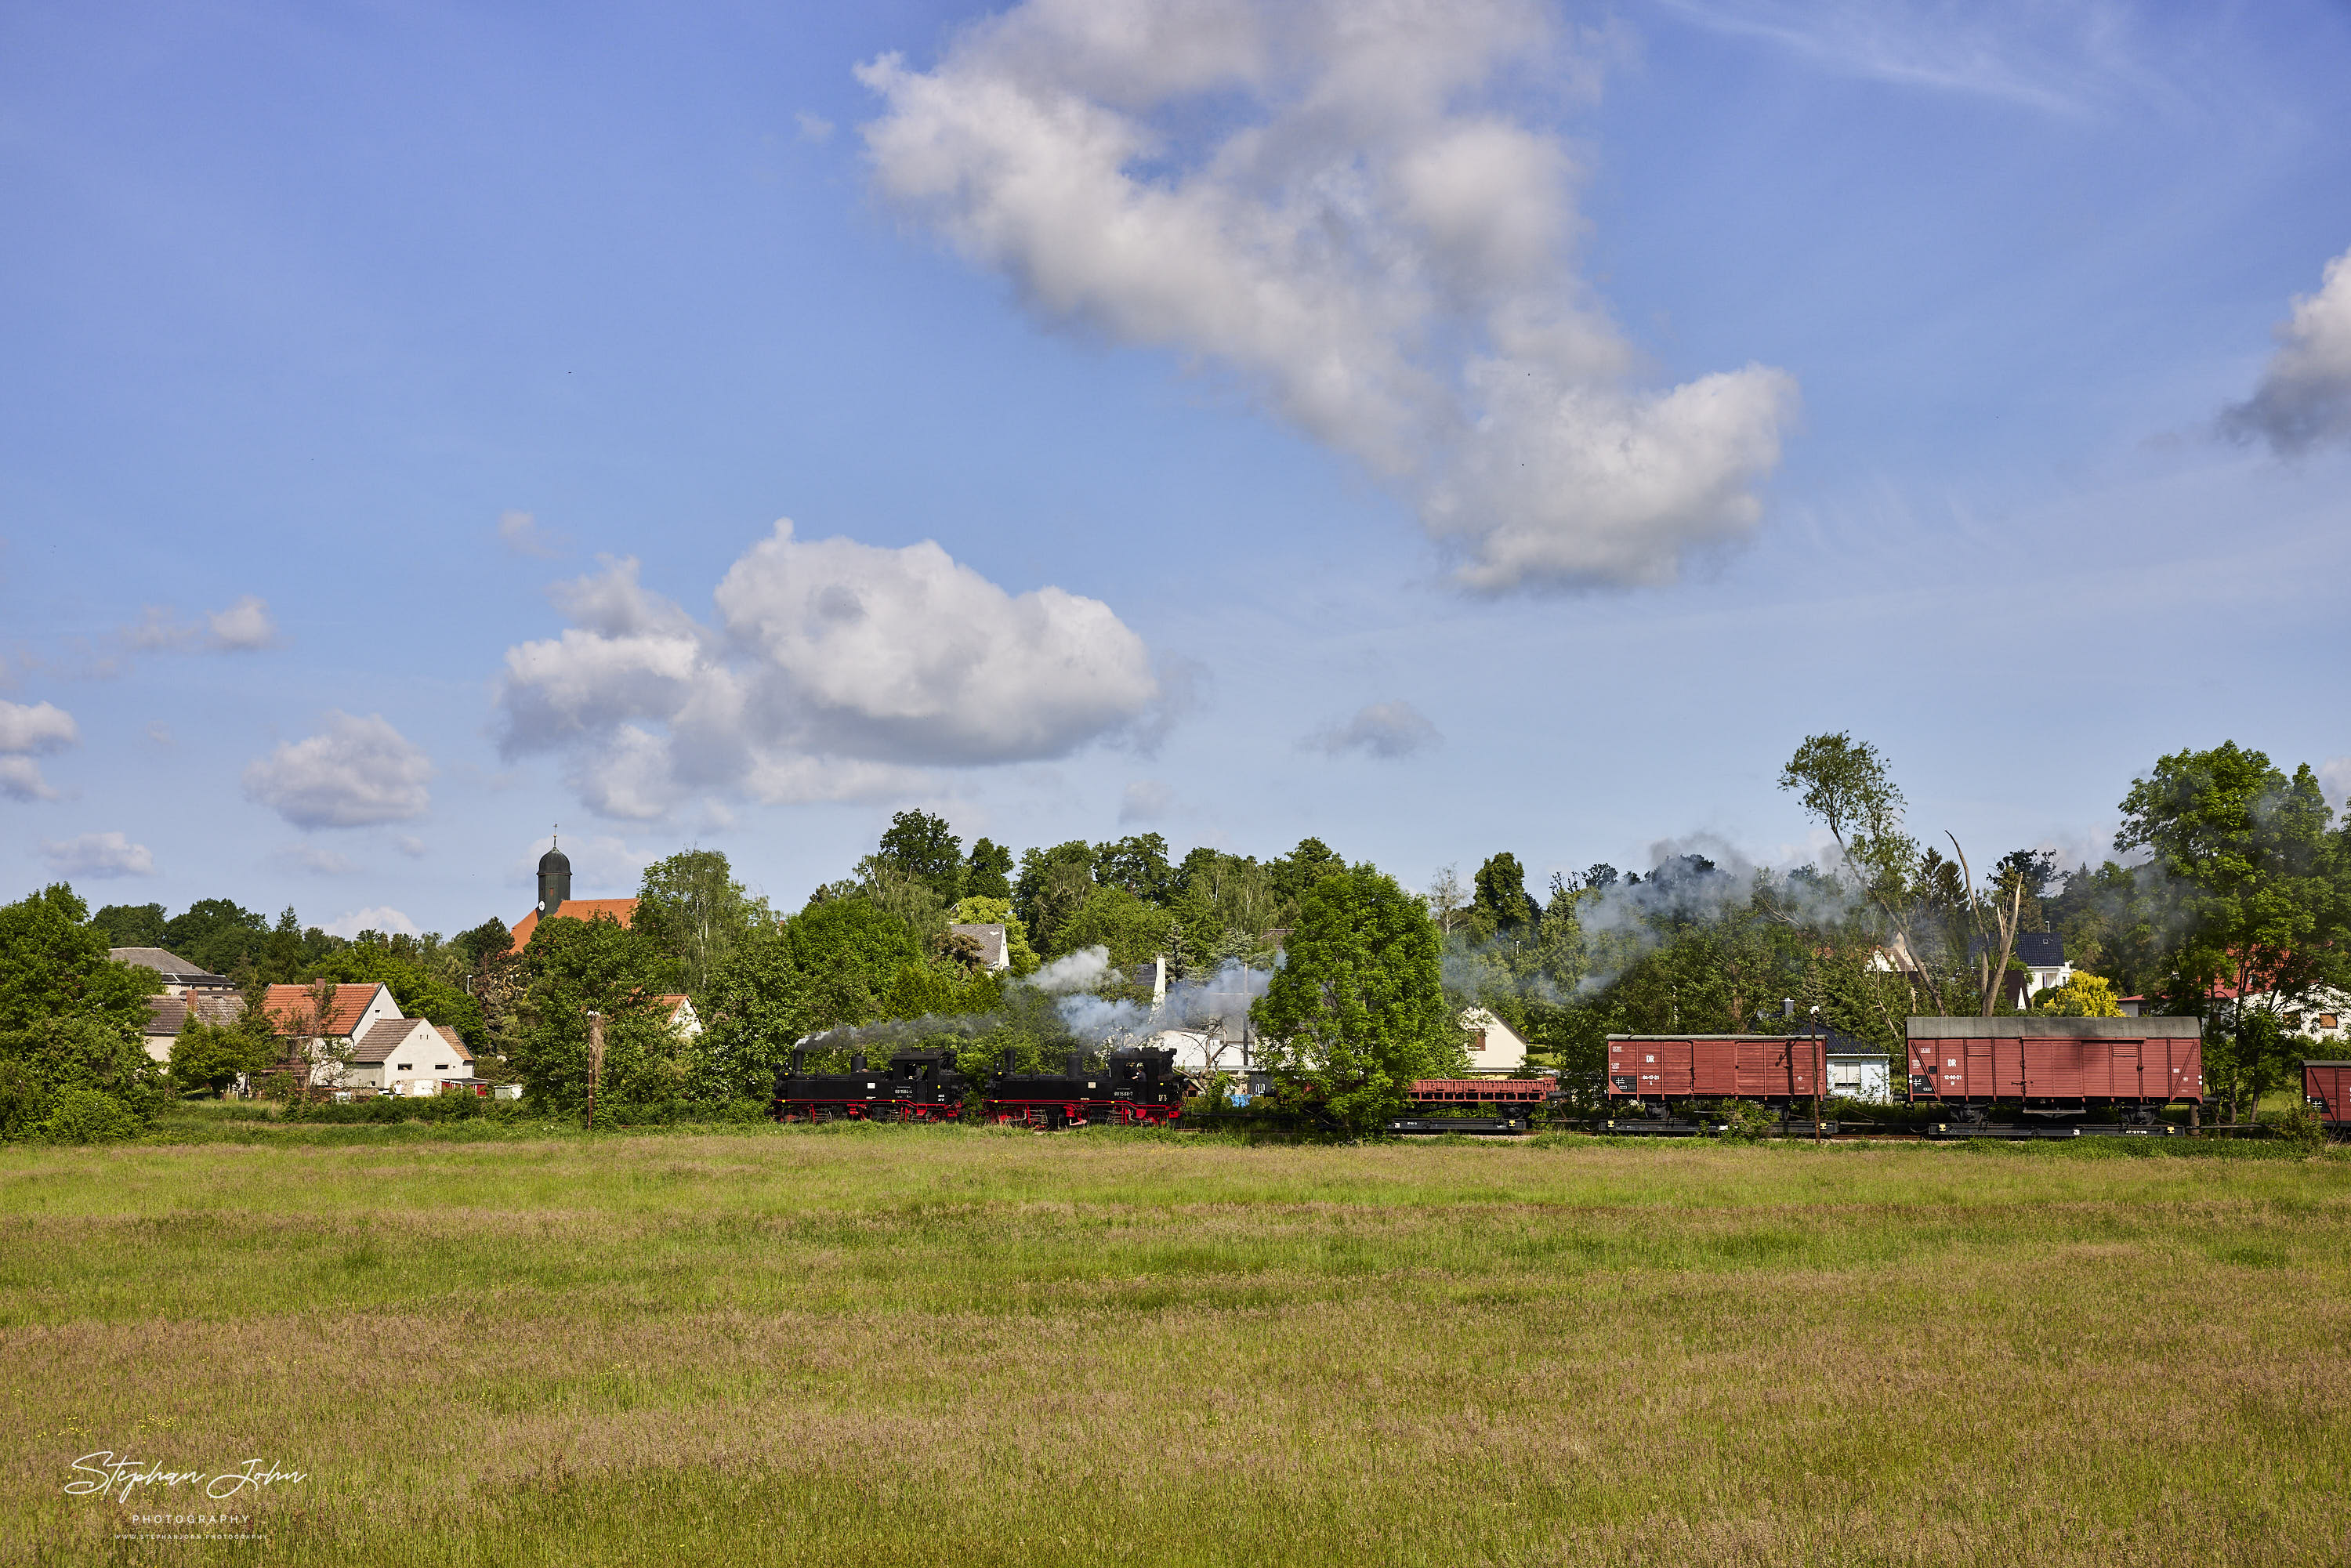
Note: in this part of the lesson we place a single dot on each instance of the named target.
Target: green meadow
(491, 1344)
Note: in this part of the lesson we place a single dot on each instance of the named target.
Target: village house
(405, 1056)
(678, 1013)
(986, 945)
(167, 1015)
(1494, 1046)
(180, 977)
(353, 1007)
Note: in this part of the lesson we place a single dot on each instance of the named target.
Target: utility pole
(595, 1061)
(1820, 1068)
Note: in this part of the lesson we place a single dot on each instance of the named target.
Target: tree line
(2232, 881)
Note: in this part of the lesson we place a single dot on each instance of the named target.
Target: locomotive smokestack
(857, 1062)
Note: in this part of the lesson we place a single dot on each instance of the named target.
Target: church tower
(554, 881)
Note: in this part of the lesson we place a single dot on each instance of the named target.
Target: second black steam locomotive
(1132, 1086)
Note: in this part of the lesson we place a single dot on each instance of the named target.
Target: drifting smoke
(1221, 999)
(1073, 971)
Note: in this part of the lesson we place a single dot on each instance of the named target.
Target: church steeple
(554, 880)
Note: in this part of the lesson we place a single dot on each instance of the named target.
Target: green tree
(87, 1054)
(217, 935)
(54, 964)
(207, 1058)
(921, 846)
(1843, 784)
(2082, 996)
(1052, 885)
(2258, 889)
(131, 924)
(1139, 864)
(482, 944)
(1131, 928)
(1360, 1002)
(578, 967)
(987, 871)
(691, 907)
(1500, 894)
(1293, 873)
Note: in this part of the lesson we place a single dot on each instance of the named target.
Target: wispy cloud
(524, 535)
(245, 626)
(2062, 59)
(1385, 732)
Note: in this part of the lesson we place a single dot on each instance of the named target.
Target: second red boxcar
(2057, 1066)
(2327, 1085)
(1774, 1067)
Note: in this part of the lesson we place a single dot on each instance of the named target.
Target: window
(405, 1067)
(1478, 1040)
(2328, 1021)
(440, 1066)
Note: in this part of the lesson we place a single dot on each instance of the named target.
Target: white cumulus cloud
(1388, 732)
(1328, 201)
(28, 730)
(98, 855)
(2334, 779)
(834, 671)
(376, 917)
(354, 773)
(2304, 395)
(242, 627)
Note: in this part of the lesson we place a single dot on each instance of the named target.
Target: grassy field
(972, 1347)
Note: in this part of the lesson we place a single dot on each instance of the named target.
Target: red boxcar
(1660, 1067)
(2327, 1085)
(2056, 1064)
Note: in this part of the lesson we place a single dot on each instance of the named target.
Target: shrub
(87, 1116)
(1743, 1121)
(2299, 1126)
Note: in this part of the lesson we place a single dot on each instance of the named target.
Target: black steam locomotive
(1136, 1085)
(911, 1086)
(1133, 1086)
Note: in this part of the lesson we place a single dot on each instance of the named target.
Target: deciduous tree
(1360, 1002)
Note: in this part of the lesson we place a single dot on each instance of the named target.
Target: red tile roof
(620, 909)
(293, 1009)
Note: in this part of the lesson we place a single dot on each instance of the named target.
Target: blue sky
(1843, 368)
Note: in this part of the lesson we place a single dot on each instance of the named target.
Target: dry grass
(961, 1347)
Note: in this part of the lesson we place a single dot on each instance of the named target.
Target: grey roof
(170, 966)
(990, 939)
(2040, 1026)
(169, 1015)
(2041, 949)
